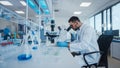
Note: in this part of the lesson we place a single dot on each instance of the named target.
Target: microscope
(69, 28)
(51, 35)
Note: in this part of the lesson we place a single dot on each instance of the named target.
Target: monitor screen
(115, 32)
(107, 32)
(111, 32)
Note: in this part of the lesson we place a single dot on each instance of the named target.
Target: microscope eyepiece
(69, 28)
(59, 28)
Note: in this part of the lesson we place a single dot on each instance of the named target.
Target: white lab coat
(64, 36)
(86, 42)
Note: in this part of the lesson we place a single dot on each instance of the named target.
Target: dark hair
(73, 19)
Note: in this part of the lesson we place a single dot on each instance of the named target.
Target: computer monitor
(111, 32)
(107, 32)
(115, 32)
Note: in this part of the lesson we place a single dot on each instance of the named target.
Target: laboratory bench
(42, 57)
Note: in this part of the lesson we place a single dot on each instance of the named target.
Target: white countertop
(43, 57)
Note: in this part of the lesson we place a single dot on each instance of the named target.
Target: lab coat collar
(80, 27)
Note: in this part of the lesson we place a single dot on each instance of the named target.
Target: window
(92, 21)
(98, 21)
(104, 20)
(116, 17)
(108, 19)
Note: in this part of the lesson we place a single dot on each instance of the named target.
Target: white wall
(11, 25)
(86, 21)
(60, 21)
(64, 21)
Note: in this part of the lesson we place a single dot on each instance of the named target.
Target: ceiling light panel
(7, 3)
(85, 4)
(77, 12)
(23, 3)
(20, 12)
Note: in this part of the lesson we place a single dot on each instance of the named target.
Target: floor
(113, 63)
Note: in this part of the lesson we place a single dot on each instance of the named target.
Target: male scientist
(86, 41)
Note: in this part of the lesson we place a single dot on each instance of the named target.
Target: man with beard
(86, 41)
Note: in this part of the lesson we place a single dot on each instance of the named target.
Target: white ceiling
(67, 7)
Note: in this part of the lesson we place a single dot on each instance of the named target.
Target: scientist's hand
(68, 46)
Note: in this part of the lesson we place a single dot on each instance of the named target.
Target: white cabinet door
(115, 50)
